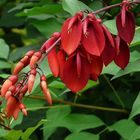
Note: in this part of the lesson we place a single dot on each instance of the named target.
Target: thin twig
(114, 91)
(83, 105)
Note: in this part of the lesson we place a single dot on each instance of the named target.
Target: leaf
(14, 135)
(136, 107)
(135, 135)
(54, 116)
(89, 85)
(124, 128)
(48, 9)
(82, 136)
(73, 6)
(4, 75)
(111, 25)
(29, 131)
(4, 65)
(132, 67)
(136, 39)
(78, 122)
(47, 27)
(4, 49)
(112, 69)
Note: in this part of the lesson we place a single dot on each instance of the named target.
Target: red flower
(125, 23)
(76, 72)
(123, 55)
(93, 37)
(71, 33)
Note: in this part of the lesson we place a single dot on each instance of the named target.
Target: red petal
(96, 66)
(109, 53)
(108, 35)
(70, 76)
(78, 63)
(123, 15)
(53, 62)
(127, 31)
(61, 55)
(18, 68)
(94, 41)
(122, 59)
(71, 38)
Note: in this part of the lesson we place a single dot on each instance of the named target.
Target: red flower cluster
(86, 46)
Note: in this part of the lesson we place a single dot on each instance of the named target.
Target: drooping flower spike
(76, 54)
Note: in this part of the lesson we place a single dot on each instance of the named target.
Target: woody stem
(111, 6)
(83, 105)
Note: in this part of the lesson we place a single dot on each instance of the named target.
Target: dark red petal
(117, 44)
(70, 39)
(123, 15)
(70, 76)
(127, 31)
(96, 66)
(122, 59)
(108, 35)
(61, 55)
(78, 63)
(53, 62)
(108, 53)
(93, 41)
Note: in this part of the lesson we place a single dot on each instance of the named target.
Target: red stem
(112, 6)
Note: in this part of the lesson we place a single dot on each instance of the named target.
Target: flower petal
(53, 62)
(70, 39)
(122, 59)
(61, 55)
(108, 53)
(70, 76)
(96, 66)
(127, 31)
(93, 41)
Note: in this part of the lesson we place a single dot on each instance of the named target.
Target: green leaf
(111, 25)
(3, 132)
(124, 128)
(29, 131)
(54, 116)
(135, 135)
(112, 69)
(82, 136)
(79, 122)
(4, 75)
(136, 40)
(136, 107)
(4, 65)
(89, 85)
(47, 27)
(4, 49)
(132, 67)
(14, 135)
(48, 9)
(73, 6)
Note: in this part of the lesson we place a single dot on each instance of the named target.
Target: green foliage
(102, 110)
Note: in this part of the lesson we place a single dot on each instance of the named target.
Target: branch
(83, 105)
(111, 6)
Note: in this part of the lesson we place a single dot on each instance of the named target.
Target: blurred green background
(104, 110)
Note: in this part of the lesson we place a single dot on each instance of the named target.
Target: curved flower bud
(8, 83)
(35, 58)
(45, 90)
(31, 80)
